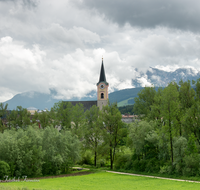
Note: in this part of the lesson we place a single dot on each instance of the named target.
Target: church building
(102, 93)
(102, 89)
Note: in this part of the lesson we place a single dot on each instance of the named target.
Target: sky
(59, 44)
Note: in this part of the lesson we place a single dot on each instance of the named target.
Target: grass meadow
(101, 180)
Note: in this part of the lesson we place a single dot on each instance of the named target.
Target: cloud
(144, 82)
(59, 44)
(6, 94)
(171, 68)
(75, 74)
(179, 14)
(76, 36)
(24, 3)
(20, 67)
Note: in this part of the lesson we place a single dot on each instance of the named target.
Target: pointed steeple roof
(102, 77)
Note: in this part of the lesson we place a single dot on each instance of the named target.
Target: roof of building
(129, 116)
(102, 77)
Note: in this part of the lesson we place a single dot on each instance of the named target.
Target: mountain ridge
(153, 76)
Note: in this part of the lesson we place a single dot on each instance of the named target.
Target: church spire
(102, 77)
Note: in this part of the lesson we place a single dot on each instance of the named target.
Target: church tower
(102, 89)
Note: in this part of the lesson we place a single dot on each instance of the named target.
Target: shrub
(168, 168)
(4, 169)
(191, 165)
(139, 165)
(123, 162)
(86, 158)
(152, 165)
(101, 163)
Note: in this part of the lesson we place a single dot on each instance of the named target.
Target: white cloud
(154, 77)
(144, 82)
(59, 44)
(21, 68)
(171, 68)
(6, 94)
(74, 36)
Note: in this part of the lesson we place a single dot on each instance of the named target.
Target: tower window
(102, 95)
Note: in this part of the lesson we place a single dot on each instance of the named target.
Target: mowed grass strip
(104, 181)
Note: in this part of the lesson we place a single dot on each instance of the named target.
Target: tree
(191, 110)
(144, 101)
(23, 117)
(4, 169)
(3, 110)
(19, 118)
(197, 89)
(155, 112)
(3, 113)
(180, 144)
(35, 151)
(61, 150)
(169, 111)
(77, 115)
(144, 139)
(92, 131)
(44, 118)
(191, 121)
(186, 96)
(192, 158)
(52, 118)
(113, 129)
(63, 114)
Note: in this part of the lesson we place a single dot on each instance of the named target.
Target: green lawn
(106, 181)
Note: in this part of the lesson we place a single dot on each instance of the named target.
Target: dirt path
(154, 177)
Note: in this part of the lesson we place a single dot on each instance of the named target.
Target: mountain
(31, 99)
(155, 76)
(42, 101)
(161, 78)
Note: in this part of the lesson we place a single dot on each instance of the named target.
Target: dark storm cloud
(30, 3)
(25, 3)
(181, 14)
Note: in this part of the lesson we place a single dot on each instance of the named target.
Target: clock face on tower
(102, 86)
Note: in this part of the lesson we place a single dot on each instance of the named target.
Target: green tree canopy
(113, 129)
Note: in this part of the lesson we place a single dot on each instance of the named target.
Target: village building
(129, 118)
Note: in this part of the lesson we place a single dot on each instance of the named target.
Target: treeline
(67, 135)
(167, 139)
(35, 152)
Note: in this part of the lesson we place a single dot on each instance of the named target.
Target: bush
(139, 165)
(142, 165)
(191, 165)
(101, 163)
(86, 158)
(153, 165)
(168, 168)
(4, 169)
(123, 162)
